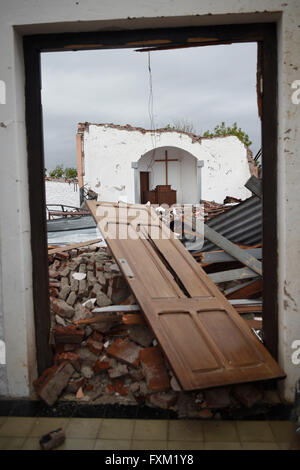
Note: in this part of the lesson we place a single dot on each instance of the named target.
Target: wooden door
(204, 339)
(144, 185)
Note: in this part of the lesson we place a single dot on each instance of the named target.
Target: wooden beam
(222, 256)
(244, 290)
(232, 275)
(230, 248)
(61, 249)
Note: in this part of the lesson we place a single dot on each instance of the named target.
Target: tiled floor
(129, 434)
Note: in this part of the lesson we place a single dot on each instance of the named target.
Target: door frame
(262, 33)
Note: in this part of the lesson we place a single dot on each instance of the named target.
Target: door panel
(204, 339)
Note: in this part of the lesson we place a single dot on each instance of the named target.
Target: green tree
(70, 173)
(223, 130)
(57, 172)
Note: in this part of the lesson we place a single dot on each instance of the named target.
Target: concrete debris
(79, 276)
(125, 351)
(141, 335)
(99, 358)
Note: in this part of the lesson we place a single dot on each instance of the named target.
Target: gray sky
(201, 85)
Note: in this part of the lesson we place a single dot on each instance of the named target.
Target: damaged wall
(108, 151)
(18, 18)
(61, 192)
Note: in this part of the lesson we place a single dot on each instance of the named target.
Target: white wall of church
(108, 152)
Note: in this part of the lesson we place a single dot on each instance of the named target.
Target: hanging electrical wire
(151, 113)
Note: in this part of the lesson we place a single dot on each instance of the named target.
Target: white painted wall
(42, 17)
(108, 152)
(60, 192)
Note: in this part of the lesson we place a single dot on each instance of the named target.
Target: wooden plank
(221, 256)
(61, 249)
(239, 254)
(244, 290)
(232, 275)
(204, 339)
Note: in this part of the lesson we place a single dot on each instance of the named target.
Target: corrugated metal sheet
(241, 224)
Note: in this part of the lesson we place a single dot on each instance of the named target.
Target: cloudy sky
(201, 85)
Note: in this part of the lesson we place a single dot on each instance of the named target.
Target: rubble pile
(112, 357)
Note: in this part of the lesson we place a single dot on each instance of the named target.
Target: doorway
(265, 35)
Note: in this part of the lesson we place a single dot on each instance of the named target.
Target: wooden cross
(166, 160)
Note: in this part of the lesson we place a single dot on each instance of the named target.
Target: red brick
(61, 308)
(110, 388)
(53, 274)
(54, 284)
(218, 397)
(65, 347)
(154, 369)
(67, 334)
(53, 291)
(67, 356)
(97, 336)
(62, 256)
(247, 394)
(94, 346)
(125, 351)
(54, 380)
(120, 388)
(100, 366)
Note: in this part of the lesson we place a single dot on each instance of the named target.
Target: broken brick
(63, 294)
(100, 366)
(154, 369)
(247, 394)
(67, 356)
(71, 298)
(60, 307)
(120, 388)
(54, 380)
(163, 399)
(125, 351)
(53, 274)
(94, 346)
(75, 384)
(141, 335)
(67, 334)
(54, 284)
(97, 336)
(103, 300)
(218, 397)
(62, 256)
(53, 291)
(118, 371)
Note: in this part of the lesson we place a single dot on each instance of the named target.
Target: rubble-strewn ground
(111, 360)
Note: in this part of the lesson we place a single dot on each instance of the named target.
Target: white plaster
(109, 152)
(2, 353)
(59, 192)
(42, 17)
(2, 92)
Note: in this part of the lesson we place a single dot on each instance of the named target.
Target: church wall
(108, 152)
